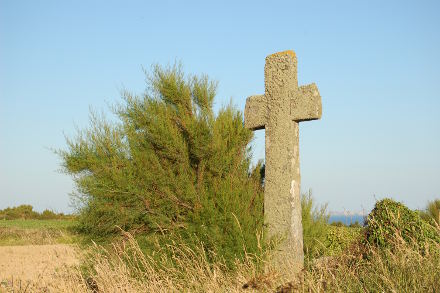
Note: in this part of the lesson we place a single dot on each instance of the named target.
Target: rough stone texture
(279, 111)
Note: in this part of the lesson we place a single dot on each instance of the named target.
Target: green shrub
(50, 215)
(19, 212)
(339, 238)
(390, 220)
(338, 224)
(355, 225)
(169, 168)
(432, 212)
(26, 212)
(402, 268)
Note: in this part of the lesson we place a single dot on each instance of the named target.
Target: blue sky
(376, 63)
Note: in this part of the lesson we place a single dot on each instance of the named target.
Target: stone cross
(279, 112)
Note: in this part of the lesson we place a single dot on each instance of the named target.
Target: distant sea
(347, 220)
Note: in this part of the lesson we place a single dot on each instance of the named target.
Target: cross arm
(255, 112)
(306, 103)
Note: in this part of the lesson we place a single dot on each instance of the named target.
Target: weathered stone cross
(279, 111)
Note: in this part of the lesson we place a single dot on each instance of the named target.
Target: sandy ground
(35, 263)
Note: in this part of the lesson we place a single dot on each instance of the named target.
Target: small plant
(338, 224)
(432, 212)
(355, 225)
(389, 218)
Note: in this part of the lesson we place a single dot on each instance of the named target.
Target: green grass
(37, 224)
(26, 232)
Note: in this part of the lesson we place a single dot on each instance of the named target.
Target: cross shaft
(279, 112)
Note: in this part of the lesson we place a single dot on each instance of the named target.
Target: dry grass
(36, 268)
(124, 268)
(180, 269)
(400, 269)
(17, 236)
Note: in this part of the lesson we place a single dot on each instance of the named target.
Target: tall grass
(123, 267)
(360, 268)
(370, 269)
(315, 226)
(405, 264)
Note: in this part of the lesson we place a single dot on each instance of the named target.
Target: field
(35, 232)
(33, 251)
(37, 224)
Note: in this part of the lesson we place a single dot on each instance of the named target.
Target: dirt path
(35, 263)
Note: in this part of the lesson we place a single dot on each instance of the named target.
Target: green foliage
(321, 238)
(355, 225)
(169, 167)
(315, 227)
(432, 212)
(339, 238)
(338, 224)
(390, 219)
(19, 212)
(26, 212)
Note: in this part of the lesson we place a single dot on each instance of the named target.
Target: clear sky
(376, 63)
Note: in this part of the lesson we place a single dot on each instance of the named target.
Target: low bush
(338, 224)
(26, 212)
(389, 218)
(340, 238)
(355, 225)
(400, 269)
(432, 212)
